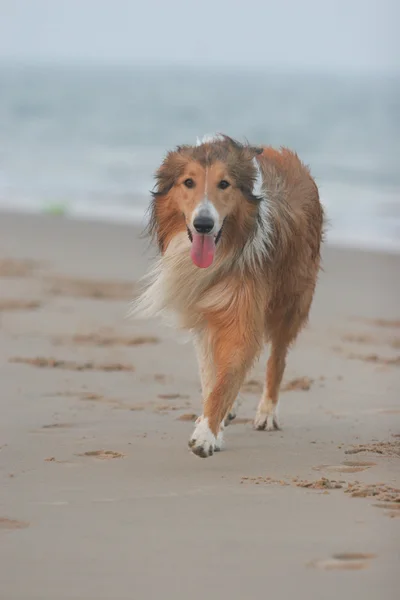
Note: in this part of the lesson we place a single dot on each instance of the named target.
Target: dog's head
(205, 189)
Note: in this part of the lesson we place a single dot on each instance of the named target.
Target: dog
(239, 229)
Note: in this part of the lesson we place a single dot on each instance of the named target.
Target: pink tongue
(203, 250)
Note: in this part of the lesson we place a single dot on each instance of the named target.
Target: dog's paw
(220, 440)
(203, 442)
(229, 418)
(266, 421)
(232, 413)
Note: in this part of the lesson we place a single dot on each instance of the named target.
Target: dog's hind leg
(267, 415)
(284, 332)
(232, 414)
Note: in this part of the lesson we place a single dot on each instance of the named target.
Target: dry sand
(99, 496)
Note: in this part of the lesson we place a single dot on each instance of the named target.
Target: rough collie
(239, 230)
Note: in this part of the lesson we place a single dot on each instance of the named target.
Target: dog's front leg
(205, 359)
(233, 352)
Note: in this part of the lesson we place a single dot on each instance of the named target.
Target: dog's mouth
(203, 247)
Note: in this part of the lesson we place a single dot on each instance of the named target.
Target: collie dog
(239, 230)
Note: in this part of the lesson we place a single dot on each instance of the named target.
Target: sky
(327, 34)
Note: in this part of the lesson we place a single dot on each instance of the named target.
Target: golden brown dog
(239, 230)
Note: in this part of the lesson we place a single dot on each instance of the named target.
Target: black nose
(203, 224)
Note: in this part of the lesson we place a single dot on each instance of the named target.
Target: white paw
(203, 442)
(220, 440)
(266, 421)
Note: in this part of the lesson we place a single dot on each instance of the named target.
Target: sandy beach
(100, 497)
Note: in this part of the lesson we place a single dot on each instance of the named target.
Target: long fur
(261, 284)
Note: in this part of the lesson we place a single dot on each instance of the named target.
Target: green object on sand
(55, 208)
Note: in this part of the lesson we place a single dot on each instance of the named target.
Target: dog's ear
(248, 149)
(159, 214)
(253, 151)
(256, 150)
(257, 180)
(232, 142)
(168, 173)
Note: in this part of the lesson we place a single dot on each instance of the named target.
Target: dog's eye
(189, 183)
(223, 184)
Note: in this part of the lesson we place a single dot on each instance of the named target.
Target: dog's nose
(203, 224)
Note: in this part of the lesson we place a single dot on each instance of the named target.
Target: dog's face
(206, 196)
(202, 187)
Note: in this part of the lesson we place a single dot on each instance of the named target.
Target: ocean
(84, 141)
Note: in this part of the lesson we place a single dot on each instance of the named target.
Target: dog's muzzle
(203, 224)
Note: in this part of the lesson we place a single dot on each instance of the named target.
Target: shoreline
(136, 217)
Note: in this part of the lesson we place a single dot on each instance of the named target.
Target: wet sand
(100, 498)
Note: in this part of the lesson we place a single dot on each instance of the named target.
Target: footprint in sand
(346, 467)
(10, 267)
(59, 426)
(187, 417)
(174, 396)
(84, 288)
(382, 448)
(350, 561)
(52, 363)
(103, 454)
(10, 305)
(393, 509)
(12, 524)
(358, 463)
(97, 339)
